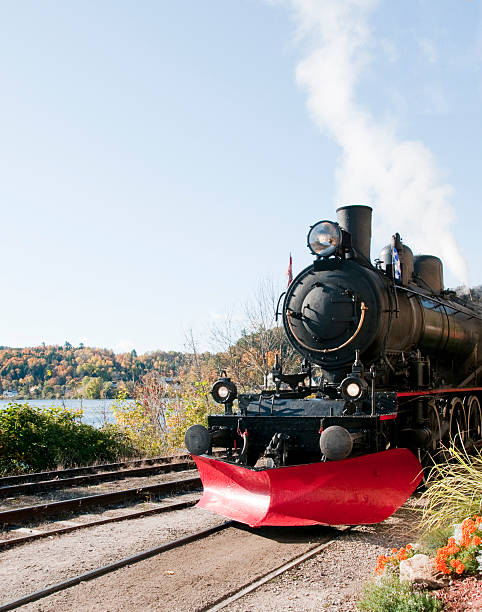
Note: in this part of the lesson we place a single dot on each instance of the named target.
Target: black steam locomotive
(399, 363)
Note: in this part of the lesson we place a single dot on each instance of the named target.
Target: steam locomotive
(397, 360)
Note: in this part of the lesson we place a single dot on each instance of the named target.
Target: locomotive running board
(361, 490)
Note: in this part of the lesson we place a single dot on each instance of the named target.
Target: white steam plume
(400, 178)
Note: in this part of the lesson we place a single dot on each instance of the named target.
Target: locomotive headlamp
(324, 238)
(224, 391)
(353, 388)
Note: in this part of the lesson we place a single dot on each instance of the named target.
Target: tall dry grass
(453, 488)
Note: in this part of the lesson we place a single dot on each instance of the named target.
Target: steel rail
(106, 569)
(16, 515)
(86, 469)
(89, 469)
(52, 485)
(224, 601)
(5, 544)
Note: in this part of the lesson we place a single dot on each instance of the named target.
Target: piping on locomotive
(400, 362)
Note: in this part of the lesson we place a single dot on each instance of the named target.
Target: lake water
(95, 412)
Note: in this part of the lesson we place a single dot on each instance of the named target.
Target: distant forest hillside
(67, 371)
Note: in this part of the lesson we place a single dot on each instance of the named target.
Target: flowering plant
(392, 562)
(463, 552)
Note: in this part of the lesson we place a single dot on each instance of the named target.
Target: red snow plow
(359, 490)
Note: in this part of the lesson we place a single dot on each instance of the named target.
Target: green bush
(157, 419)
(139, 426)
(35, 439)
(190, 405)
(391, 595)
(434, 539)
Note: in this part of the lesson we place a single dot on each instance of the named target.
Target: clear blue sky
(159, 159)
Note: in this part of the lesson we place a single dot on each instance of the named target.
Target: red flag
(289, 272)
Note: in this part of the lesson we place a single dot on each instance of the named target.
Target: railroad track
(37, 535)
(124, 466)
(53, 484)
(87, 469)
(106, 569)
(230, 598)
(219, 603)
(14, 518)
(186, 484)
(21, 515)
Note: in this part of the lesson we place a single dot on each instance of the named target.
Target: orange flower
(441, 565)
(476, 541)
(460, 568)
(382, 560)
(393, 560)
(468, 527)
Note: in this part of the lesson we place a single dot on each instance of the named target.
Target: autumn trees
(65, 371)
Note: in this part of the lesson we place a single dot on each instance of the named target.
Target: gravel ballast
(330, 581)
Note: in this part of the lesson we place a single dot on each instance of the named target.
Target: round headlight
(324, 238)
(353, 388)
(224, 391)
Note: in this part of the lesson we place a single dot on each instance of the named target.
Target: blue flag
(397, 269)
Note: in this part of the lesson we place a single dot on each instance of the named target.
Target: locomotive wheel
(432, 453)
(474, 421)
(457, 423)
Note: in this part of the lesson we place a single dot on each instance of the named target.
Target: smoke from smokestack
(399, 178)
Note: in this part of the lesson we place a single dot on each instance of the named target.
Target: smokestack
(358, 221)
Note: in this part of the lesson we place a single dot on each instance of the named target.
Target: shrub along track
(223, 566)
